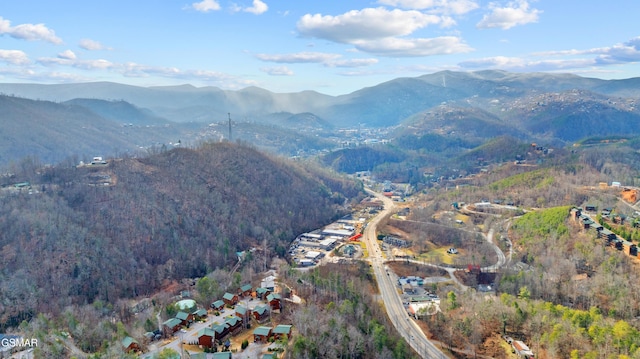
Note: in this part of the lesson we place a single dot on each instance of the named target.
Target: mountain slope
(53, 132)
(173, 215)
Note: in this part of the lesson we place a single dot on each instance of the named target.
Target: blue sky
(333, 47)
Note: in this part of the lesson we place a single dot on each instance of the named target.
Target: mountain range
(54, 122)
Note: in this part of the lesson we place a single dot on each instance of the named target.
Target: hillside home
(241, 311)
(268, 283)
(522, 350)
(275, 301)
(185, 318)
(245, 290)
(230, 299)
(220, 331)
(262, 293)
(281, 330)
(199, 314)
(130, 345)
(206, 337)
(171, 326)
(217, 305)
(261, 334)
(260, 313)
(233, 323)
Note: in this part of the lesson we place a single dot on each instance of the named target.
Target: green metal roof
(261, 309)
(172, 322)
(273, 296)
(221, 355)
(228, 296)
(282, 329)
(127, 341)
(206, 331)
(265, 331)
(246, 287)
(232, 320)
(200, 312)
(218, 303)
(182, 315)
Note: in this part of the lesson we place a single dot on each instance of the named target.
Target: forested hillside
(125, 228)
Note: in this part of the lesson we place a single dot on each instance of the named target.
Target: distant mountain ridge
(103, 117)
(385, 104)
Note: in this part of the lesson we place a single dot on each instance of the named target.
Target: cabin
(233, 323)
(199, 314)
(230, 299)
(275, 301)
(185, 318)
(260, 313)
(282, 331)
(241, 311)
(171, 326)
(206, 337)
(261, 334)
(130, 345)
(245, 290)
(217, 305)
(262, 292)
(221, 355)
(220, 331)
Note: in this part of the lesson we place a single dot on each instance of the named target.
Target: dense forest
(124, 229)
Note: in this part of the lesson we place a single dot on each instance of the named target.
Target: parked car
(452, 251)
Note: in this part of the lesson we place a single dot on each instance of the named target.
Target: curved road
(407, 328)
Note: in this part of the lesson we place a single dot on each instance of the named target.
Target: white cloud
(206, 6)
(31, 32)
(513, 14)
(15, 57)
(258, 8)
(627, 52)
(399, 47)
(67, 55)
(457, 7)
(352, 62)
(92, 45)
(366, 24)
(277, 71)
(299, 57)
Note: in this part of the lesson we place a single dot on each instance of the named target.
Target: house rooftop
(282, 329)
(262, 331)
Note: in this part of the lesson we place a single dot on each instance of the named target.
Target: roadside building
(171, 326)
(206, 337)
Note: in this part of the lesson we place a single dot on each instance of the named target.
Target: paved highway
(407, 328)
